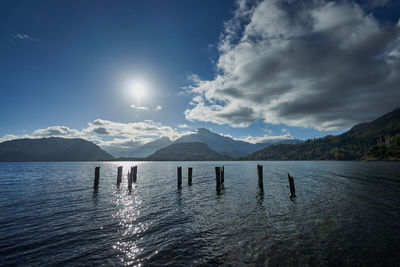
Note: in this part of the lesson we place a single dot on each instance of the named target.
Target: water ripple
(345, 213)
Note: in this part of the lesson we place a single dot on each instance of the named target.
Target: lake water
(345, 214)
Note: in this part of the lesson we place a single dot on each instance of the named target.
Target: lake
(345, 214)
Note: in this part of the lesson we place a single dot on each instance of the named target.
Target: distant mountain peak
(186, 151)
(221, 144)
(151, 147)
(204, 131)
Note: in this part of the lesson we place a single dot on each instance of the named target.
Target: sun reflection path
(130, 227)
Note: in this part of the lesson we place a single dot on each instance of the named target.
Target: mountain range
(224, 145)
(375, 140)
(202, 144)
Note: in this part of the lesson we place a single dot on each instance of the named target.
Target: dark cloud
(316, 64)
(100, 130)
(63, 131)
(98, 122)
(242, 114)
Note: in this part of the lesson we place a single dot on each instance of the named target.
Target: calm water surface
(345, 214)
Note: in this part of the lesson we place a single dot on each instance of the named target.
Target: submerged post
(260, 175)
(96, 177)
(134, 174)
(190, 170)
(179, 177)
(130, 180)
(291, 186)
(218, 176)
(119, 175)
(222, 175)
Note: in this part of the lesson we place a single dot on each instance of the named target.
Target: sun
(138, 89)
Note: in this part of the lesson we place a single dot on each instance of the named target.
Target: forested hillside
(376, 140)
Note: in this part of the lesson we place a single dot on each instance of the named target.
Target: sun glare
(138, 89)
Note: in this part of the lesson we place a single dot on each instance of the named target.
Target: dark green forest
(376, 140)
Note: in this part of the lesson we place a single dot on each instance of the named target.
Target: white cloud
(266, 138)
(63, 131)
(136, 131)
(156, 108)
(9, 137)
(139, 107)
(20, 36)
(183, 126)
(301, 63)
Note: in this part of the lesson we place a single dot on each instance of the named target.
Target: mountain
(137, 150)
(122, 150)
(375, 140)
(151, 147)
(186, 151)
(51, 149)
(221, 144)
(225, 145)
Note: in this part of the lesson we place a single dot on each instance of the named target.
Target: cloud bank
(266, 138)
(315, 64)
(112, 136)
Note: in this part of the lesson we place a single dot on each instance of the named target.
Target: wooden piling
(260, 175)
(218, 176)
(134, 177)
(190, 171)
(130, 180)
(291, 186)
(119, 175)
(179, 170)
(96, 177)
(222, 175)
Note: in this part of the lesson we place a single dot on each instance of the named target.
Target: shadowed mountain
(186, 151)
(151, 147)
(379, 139)
(125, 150)
(51, 149)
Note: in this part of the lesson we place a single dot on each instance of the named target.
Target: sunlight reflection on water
(129, 205)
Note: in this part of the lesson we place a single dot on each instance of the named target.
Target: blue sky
(127, 72)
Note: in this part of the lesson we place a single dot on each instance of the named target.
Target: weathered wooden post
(222, 175)
(291, 186)
(179, 177)
(96, 177)
(130, 180)
(134, 174)
(190, 170)
(260, 175)
(218, 177)
(119, 175)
